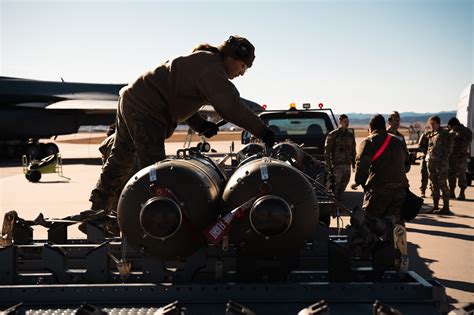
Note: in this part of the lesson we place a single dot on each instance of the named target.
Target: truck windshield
(297, 126)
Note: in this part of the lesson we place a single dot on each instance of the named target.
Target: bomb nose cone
(160, 217)
(270, 216)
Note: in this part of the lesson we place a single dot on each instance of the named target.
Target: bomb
(284, 213)
(164, 207)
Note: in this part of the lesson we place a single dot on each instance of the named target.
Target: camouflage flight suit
(461, 138)
(340, 154)
(439, 150)
(150, 108)
(384, 180)
(423, 148)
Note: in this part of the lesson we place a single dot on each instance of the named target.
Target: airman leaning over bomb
(150, 108)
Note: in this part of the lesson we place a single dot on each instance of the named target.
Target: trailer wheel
(34, 176)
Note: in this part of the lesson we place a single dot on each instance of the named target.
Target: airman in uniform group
(423, 148)
(437, 157)
(339, 153)
(461, 138)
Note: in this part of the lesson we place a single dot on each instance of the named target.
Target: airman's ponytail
(207, 47)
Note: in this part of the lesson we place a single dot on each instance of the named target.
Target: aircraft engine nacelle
(164, 207)
(284, 214)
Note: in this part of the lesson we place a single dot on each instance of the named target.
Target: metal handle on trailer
(59, 166)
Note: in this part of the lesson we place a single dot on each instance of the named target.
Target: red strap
(382, 148)
(218, 230)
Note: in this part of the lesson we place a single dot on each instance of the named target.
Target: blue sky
(354, 56)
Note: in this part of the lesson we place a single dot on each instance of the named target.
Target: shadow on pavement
(418, 263)
(427, 207)
(463, 216)
(443, 234)
(427, 219)
(458, 285)
(85, 161)
(54, 182)
(421, 266)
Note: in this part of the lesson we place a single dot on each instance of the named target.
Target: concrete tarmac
(440, 247)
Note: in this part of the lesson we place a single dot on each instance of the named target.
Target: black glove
(208, 129)
(268, 138)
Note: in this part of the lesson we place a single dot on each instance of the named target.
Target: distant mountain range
(407, 117)
(356, 119)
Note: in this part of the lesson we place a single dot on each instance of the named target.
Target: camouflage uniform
(105, 149)
(401, 137)
(439, 150)
(150, 108)
(423, 148)
(340, 154)
(384, 180)
(385, 185)
(461, 138)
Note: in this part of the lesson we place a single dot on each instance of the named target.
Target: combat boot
(400, 243)
(445, 210)
(99, 201)
(461, 195)
(452, 194)
(435, 206)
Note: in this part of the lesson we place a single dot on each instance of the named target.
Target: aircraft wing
(88, 106)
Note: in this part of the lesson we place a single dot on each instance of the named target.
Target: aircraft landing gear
(33, 150)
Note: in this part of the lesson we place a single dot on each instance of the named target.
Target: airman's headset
(241, 49)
